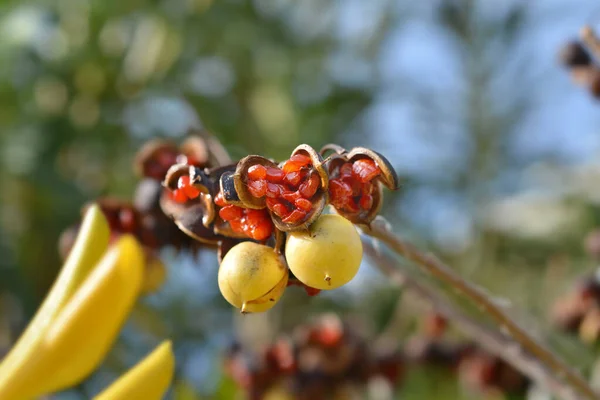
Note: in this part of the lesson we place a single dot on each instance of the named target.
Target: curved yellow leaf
(86, 327)
(90, 245)
(147, 380)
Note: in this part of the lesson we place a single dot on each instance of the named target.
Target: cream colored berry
(326, 256)
(252, 277)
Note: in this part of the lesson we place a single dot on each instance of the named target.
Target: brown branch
(590, 40)
(379, 229)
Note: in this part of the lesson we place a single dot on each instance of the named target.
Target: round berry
(326, 256)
(252, 277)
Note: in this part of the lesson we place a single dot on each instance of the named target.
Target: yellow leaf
(89, 247)
(86, 327)
(148, 380)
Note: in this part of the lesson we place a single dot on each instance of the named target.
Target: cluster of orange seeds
(353, 189)
(255, 224)
(288, 190)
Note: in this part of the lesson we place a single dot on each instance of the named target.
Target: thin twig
(380, 229)
(591, 41)
(493, 341)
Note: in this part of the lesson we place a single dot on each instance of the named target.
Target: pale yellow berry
(252, 277)
(326, 256)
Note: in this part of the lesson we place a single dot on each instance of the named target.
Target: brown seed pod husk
(217, 154)
(235, 186)
(196, 148)
(333, 149)
(179, 212)
(362, 216)
(190, 218)
(147, 160)
(388, 175)
(317, 163)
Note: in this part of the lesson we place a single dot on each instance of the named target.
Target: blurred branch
(526, 354)
(591, 41)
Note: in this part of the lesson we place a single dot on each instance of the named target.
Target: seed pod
(333, 148)
(217, 155)
(154, 159)
(193, 217)
(319, 200)
(388, 175)
(234, 186)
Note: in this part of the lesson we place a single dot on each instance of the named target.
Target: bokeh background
(498, 151)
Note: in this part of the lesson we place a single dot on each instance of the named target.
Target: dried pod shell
(333, 148)
(217, 154)
(317, 163)
(190, 218)
(235, 186)
(195, 149)
(178, 211)
(148, 163)
(388, 175)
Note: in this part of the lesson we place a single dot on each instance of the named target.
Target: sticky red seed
(191, 160)
(262, 231)
(350, 205)
(303, 204)
(280, 210)
(366, 202)
(257, 188)
(231, 213)
(236, 225)
(346, 170)
(275, 175)
(339, 190)
(220, 200)
(310, 186)
(273, 190)
(179, 196)
(295, 163)
(295, 216)
(300, 159)
(257, 172)
(365, 170)
(293, 178)
(191, 192)
(291, 196)
(183, 181)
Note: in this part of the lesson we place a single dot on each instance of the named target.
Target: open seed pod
(217, 155)
(154, 159)
(333, 149)
(388, 175)
(195, 216)
(234, 186)
(319, 199)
